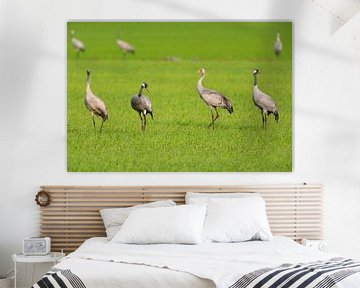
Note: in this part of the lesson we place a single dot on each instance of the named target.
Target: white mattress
(102, 264)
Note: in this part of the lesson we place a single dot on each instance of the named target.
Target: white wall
(326, 102)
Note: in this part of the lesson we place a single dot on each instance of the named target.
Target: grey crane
(142, 105)
(94, 104)
(264, 102)
(277, 45)
(77, 44)
(125, 46)
(213, 99)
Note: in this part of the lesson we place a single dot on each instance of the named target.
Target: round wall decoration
(42, 198)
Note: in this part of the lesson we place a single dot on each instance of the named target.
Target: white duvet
(100, 263)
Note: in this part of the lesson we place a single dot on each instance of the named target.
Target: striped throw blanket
(320, 274)
(59, 278)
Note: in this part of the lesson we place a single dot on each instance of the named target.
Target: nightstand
(53, 257)
(320, 245)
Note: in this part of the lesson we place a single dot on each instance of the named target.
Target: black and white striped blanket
(320, 274)
(59, 278)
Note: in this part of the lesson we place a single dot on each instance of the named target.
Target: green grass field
(178, 139)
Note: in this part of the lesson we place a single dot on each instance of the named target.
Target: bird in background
(77, 44)
(125, 46)
(264, 102)
(94, 104)
(277, 45)
(213, 99)
(142, 105)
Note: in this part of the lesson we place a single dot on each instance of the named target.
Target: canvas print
(179, 96)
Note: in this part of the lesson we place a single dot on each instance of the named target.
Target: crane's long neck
(88, 83)
(199, 86)
(255, 80)
(140, 92)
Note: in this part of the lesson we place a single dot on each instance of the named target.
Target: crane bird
(94, 104)
(142, 105)
(77, 44)
(125, 46)
(264, 102)
(213, 99)
(277, 45)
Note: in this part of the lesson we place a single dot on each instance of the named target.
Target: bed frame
(73, 215)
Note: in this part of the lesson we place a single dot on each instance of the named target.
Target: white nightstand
(320, 245)
(53, 257)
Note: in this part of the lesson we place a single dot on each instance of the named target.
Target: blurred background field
(168, 56)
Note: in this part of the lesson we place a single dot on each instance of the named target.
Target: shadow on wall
(284, 7)
(22, 48)
(330, 108)
(182, 7)
(22, 41)
(339, 11)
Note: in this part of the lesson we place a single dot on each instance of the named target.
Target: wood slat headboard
(73, 214)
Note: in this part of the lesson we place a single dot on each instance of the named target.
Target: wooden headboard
(73, 214)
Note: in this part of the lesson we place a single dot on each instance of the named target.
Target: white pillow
(204, 198)
(180, 224)
(113, 218)
(236, 220)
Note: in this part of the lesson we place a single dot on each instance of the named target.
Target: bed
(293, 210)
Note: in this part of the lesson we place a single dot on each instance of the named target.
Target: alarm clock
(36, 246)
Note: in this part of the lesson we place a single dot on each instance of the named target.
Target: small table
(53, 257)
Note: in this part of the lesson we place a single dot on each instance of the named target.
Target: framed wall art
(179, 96)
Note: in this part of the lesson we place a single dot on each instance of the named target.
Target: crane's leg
(217, 116)
(212, 118)
(94, 123)
(142, 124)
(102, 122)
(263, 113)
(265, 119)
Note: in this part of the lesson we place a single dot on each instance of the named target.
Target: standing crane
(94, 104)
(125, 46)
(77, 44)
(264, 102)
(142, 105)
(277, 45)
(213, 99)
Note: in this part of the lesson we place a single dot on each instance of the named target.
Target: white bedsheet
(102, 264)
(102, 274)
